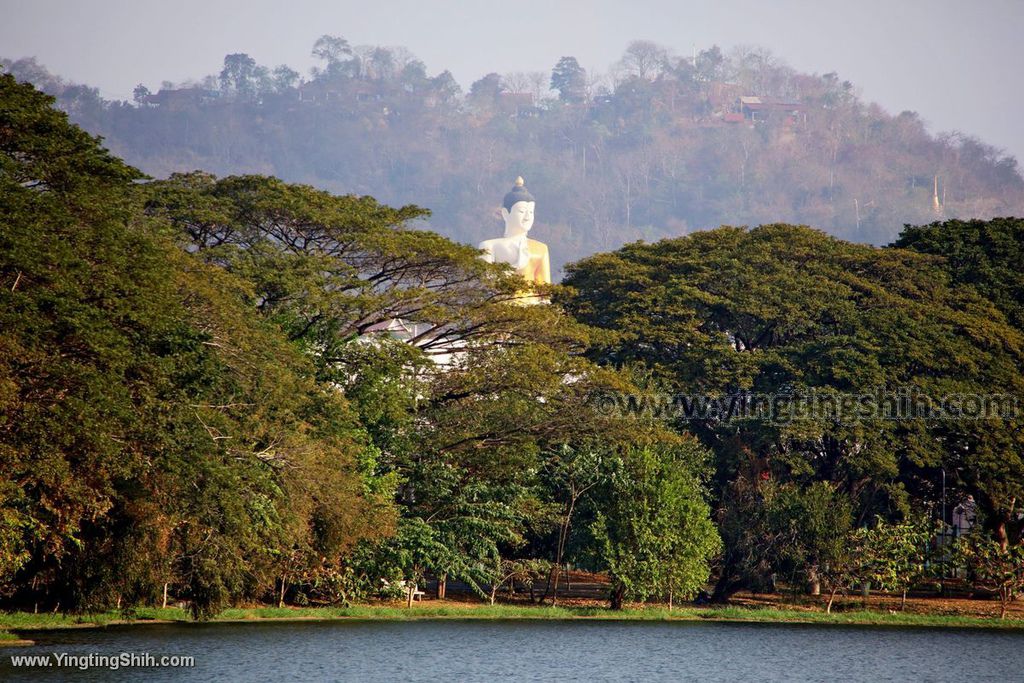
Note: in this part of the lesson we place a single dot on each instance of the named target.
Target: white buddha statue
(528, 257)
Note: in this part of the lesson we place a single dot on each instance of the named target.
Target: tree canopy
(153, 430)
(987, 255)
(792, 318)
(203, 387)
(243, 389)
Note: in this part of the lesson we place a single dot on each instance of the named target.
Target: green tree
(731, 315)
(285, 78)
(461, 438)
(154, 430)
(139, 94)
(570, 80)
(653, 527)
(804, 534)
(815, 527)
(987, 255)
(239, 75)
(572, 472)
(336, 55)
(896, 555)
(992, 567)
(485, 91)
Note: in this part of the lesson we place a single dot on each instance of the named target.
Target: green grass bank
(18, 625)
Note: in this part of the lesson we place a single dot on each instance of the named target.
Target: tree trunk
(814, 583)
(1004, 601)
(494, 592)
(618, 597)
(410, 592)
(280, 601)
(670, 600)
(563, 536)
(725, 588)
(442, 586)
(903, 602)
(831, 598)
(727, 585)
(1001, 534)
(165, 596)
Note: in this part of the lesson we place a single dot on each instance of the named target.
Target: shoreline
(16, 628)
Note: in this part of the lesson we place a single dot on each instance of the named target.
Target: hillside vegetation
(659, 146)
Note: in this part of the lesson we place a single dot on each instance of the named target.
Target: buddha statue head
(527, 256)
(517, 210)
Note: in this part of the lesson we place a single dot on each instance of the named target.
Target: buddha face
(518, 219)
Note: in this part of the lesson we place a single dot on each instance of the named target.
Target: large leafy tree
(986, 255)
(653, 529)
(570, 80)
(51, 173)
(785, 311)
(242, 77)
(992, 567)
(463, 408)
(153, 430)
(336, 54)
(895, 556)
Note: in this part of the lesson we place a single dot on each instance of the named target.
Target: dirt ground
(980, 606)
(585, 589)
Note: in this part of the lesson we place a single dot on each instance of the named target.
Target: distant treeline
(659, 146)
(239, 389)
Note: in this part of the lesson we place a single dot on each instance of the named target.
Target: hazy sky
(955, 62)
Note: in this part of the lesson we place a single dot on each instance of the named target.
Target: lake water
(456, 651)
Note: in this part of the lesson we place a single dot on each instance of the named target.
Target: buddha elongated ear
(504, 214)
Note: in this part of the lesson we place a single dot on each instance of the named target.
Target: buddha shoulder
(535, 247)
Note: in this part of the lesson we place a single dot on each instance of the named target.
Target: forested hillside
(659, 146)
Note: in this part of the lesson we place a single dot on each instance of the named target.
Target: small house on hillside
(516, 104)
(755, 109)
(178, 99)
(320, 92)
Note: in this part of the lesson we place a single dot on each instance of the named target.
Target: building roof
(756, 103)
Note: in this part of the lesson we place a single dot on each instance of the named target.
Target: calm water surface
(454, 651)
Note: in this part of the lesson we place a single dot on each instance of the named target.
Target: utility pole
(942, 578)
(943, 500)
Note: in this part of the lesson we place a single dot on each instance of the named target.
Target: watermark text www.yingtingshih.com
(94, 660)
(784, 408)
